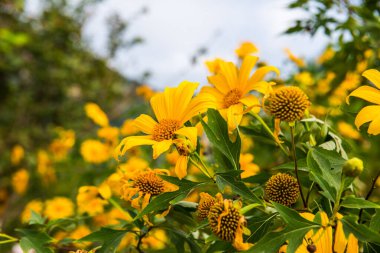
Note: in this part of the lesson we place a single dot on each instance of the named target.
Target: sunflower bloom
(139, 188)
(172, 109)
(231, 89)
(371, 94)
(227, 223)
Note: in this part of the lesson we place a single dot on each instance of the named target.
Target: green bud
(353, 167)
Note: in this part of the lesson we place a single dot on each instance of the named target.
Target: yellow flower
(79, 232)
(323, 85)
(110, 134)
(231, 89)
(145, 184)
(45, 168)
(111, 218)
(172, 109)
(145, 91)
(304, 78)
(370, 94)
(58, 207)
(298, 61)
(128, 128)
(20, 181)
(348, 131)
(90, 200)
(213, 66)
(227, 223)
(94, 151)
(156, 239)
(35, 206)
(61, 146)
(246, 48)
(247, 166)
(17, 154)
(97, 115)
(133, 164)
(342, 243)
(327, 55)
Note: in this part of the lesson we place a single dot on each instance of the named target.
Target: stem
(142, 235)
(296, 166)
(369, 194)
(205, 169)
(10, 238)
(270, 132)
(337, 201)
(308, 193)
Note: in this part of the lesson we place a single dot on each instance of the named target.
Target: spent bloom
(282, 188)
(231, 87)
(371, 94)
(205, 203)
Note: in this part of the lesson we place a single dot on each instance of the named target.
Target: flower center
(231, 98)
(149, 183)
(165, 129)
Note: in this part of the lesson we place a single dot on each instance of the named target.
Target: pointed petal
(157, 102)
(145, 201)
(177, 99)
(197, 105)
(234, 116)
(219, 82)
(366, 114)
(366, 93)
(353, 244)
(251, 101)
(214, 93)
(145, 123)
(374, 126)
(261, 72)
(245, 70)
(374, 76)
(190, 133)
(263, 87)
(132, 141)
(229, 71)
(161, 147)
(181, 166)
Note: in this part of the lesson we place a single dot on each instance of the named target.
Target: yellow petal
(177, 99)
(145, 123)
(105, 191)
(261, 72)
(352, 244)
(234, 116)
(158, 105)
(214, 94)
(196, 106)
(366, 114)
(245, 70)
(94, 112)
(367, 93)
(181, 166)
(229, 71)
(374, 126)
(190, 133)
(145, 201)
(374, 76)
(263, 87)
(340, 239)
(219, 82)
(251, 101)
(132, 141)
(161, 147)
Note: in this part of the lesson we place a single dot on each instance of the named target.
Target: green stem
(10, 238)
(203, 167)
(269, 131)
(296, 166)
(309, 192)
(338, 197)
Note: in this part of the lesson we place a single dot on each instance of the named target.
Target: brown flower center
(165, 129)
(205, 203)
(282, 188)
(231, 98)
(149, 183)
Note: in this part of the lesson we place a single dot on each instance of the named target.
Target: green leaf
(34, 239)
(194, 247)
(260, 225)
(238, 187)
(217, 132)
(358, 203)
(360, 231)
(302, 166)
(375, 221)
(36, 218)
(291, 217)
(109, 238)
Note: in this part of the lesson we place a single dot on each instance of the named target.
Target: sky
(174, 29)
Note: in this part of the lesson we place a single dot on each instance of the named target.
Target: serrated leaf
(34, 239)
(217, 132)
(291, 217)
(358, 203)
(109, 238)
(237, 187)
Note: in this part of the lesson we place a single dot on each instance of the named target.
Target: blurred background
(58, 55)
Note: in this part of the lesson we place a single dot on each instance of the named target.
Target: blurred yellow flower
(348, 131)
(304, 78)
(247, 166)
(232, 86)
(156, 239)
(323, 85)
(298, 61)
(90, 200)
(172, 109)
(20, 181)
(111, 218)
(145, 91)
(110, 134)
(327, 55)
(58, 207)
(128, 128)
(213, 65)
(17, 154)
(372, 95)
(35, 206)
(45, 168)
(94, 151)
(61, 146)
(79, 232)
(246, 48)
(97, 115)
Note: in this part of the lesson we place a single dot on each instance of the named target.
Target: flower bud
(353, 167)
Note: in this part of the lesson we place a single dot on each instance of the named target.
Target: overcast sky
(174, 29)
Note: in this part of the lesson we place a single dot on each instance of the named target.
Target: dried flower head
(288, 103)
(205, 203)
(282, 188)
